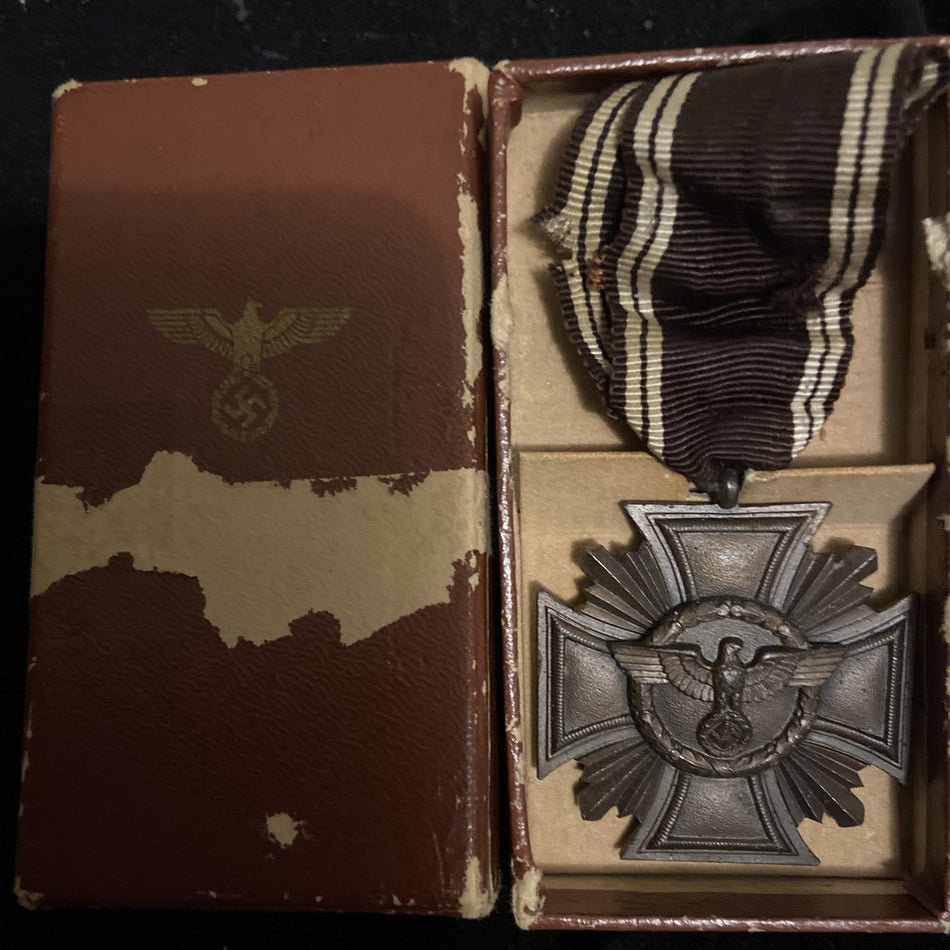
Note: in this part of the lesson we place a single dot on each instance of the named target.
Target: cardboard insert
(565, 467)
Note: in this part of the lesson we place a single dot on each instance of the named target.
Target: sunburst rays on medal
(721, 682)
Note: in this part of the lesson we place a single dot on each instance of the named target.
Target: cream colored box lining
(572, 466)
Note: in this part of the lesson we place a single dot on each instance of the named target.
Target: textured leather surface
(158, 752)
(166, 768)
(293, 189)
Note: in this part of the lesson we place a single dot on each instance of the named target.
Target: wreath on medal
(765, 698)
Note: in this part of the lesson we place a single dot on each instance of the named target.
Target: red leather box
(261, 662)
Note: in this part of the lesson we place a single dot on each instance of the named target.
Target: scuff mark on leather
(265, 554)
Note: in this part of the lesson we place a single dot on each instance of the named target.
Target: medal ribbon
(717, 226)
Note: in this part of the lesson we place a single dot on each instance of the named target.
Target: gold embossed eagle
(245, 405)
(728, 682)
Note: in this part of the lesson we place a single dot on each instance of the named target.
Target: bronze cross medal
(721, 682)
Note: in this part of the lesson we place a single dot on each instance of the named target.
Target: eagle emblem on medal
(245, 404)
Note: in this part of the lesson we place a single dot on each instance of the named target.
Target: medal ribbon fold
(716, 227)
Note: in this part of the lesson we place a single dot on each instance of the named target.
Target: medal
(720, 681)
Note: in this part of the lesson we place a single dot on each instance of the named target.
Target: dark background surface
(42, 44)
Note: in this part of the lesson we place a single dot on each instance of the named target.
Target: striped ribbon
(716, 227)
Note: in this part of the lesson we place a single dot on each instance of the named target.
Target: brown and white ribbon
(717, 226)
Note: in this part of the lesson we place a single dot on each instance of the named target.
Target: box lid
(259, 671)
